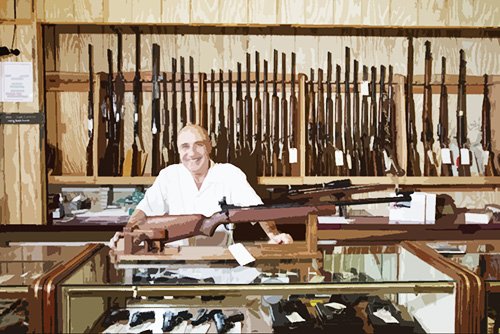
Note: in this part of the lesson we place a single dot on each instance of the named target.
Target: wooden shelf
(100, 180)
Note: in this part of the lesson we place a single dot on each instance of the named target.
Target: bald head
(201, 131)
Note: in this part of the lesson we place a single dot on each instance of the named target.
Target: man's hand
(281, 238)
(116, 242)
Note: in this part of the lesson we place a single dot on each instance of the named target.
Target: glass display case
(482, 257)
(396, 288)
(24, 269)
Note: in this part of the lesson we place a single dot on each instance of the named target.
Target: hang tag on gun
(446, 156)
(364, 88)
(339, 158)
(387, 161)
(293, 156)
(486, 158)
(464, 156)
(241, 254)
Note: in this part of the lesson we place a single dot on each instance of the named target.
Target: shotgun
(90, 114)
(339, 152)
(258, 149)
(293, 114)
(183, 95)
(155, 112)
(248, 144)
(365, 126)
(413, 162)
(165, 121)
(347, 115)
(118, 99)
(285, 151)
(174, 151)
(488, 155)
(276, 120)
(192, 105)
(465, 156)
(212, 108)
(266, 117)
(311, 128)
(230, 115)
(356, 131)
(109, 164)
(222, 138)
(442, 127)
(329, 149)
(320, 127)
(427, 136)
(240, 136)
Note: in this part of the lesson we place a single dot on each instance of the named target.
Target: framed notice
(16, 81)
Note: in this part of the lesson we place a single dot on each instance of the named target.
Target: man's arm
(275, 237)
(136, 217)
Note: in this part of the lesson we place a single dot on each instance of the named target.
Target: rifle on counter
(413, 161)
(329, 149)
(240, 130)
(222, 138)
(442, 127)
(365, 126)
(173, 149)
(183, 95)
(427, 136)
(311, 129)
(90, 114)
(285, 151)
(339, 151)
(192, 105)
(212, 108)
(165, 122)
(230, 113)
(488, 155)
(348, 146)
(155, 112)
(259, 145)
(266, 116)
(276, 121)
(465, 155)
(320, 127)
(109, 164)
(292, 112)
(248, 144)
(389, 128)
(357, 151)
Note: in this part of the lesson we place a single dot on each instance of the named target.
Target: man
(196, 185)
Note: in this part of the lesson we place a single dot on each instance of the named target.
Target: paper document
(241, 254)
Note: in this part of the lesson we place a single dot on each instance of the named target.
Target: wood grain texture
(233, 11)
(461, 13)
(175, 11)
(318, 12)
(433, 12)
(235, 48)
(291, 11)
(488, 13)
(26, 43)
(262, 12)
(3, 198)
(146, 11)
(404, 13)
(23, 10)
(40, 10)
(212, 47)
(376, 12)
(204, 11)
(348, 12)
(7, 9)
(89, 10)
(59, 11)
(118, 11)
(31, 174)
(72, 136)
(12, 174)
(70, 52)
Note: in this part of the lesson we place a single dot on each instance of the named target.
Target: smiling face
(194, 149)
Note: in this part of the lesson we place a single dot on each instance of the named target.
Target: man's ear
(208, 145)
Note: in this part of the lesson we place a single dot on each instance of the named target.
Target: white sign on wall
(16, 82)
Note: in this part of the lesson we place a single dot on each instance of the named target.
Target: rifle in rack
(258, 149)
(442, 127)
(285, 151)
(292, 112)
(155, 112)
(373, 124)
(357, 151)
(90, 114)
(212, 111)
(348, 146)
(389, 128)
(248, 144)
(240, 136)
(413, 161)
(165, 122)
(222, 137)
(183, 95)
(311, 128)
(427, 136)
(266, 137)
(365, 126)
(230, 115)
(488, 155)
(382, 167)
(276, 118)
(320, 127)
(465, 156)
(173, 150)
(119, 99)
(192, 105)
(339, 151)
(329, 149)
(109, 164)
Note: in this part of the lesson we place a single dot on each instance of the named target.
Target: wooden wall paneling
(452, 128)
(59, 11)
(40, 10)
(89, 10)
(377, 13)
(176, 11)
(3, 198)
(325, 44)
(291, 11)
(398, 55)
(233, 11)
(128, 65)
(145, 129)
(262, 12)
(212, 47)
(306, 50)
(399, 100)
(23, 10)
(235, 48)
(25, 41)
(189, 46)
(433, 13)
(146, 11)
(474, 105)
(318, 12)
(461, 13)
(404, 13)
(7, 9)
(12, 172)
(348, 13)
(98, 40)
(118, 11)
(487, 13)
(495, 116)
(204, 11)
(481, 55)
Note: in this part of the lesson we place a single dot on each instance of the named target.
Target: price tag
(154, 130)
(136, 117)
(117, 117)
(387, 161)
(446, 156)
(486, 157)
(349, 160)
(430, 154)
(280, 155)
(293, 155)
(464, 156)
(339, 158)
(90, 125)
(372, 140)
(364, 88)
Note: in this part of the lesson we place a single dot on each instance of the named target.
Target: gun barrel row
(353, 133)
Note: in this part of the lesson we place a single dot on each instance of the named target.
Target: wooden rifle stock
(463, 169)
(356, 131)
(258, 149)
(90, 114)
(173, 141)
(276, 120)
(240, 137)
(165, 122)
(442, 127)
(365, 128)
(427, 136)
(119, 99)
(285, 156)
(348, 146)
(155, 110)
(311, 128)
(329, 150)
(489, 166)
(230, 115)
(108, 165)
(320, 127)
(267, 154)
(339, 163)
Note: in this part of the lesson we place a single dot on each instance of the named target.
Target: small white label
(460, 113)
(295, 317)
(372, 140)
(430, 155)
(387, 161)
(339, 158)
(446, 156)
(464, 156)
(386, 316)
(154, 130)
(293, 155)
(486, 157)
(336, 306)
(136, 117)
(349, 160)
(117, 117)
(90, 125)
(364, 88)
(241, 254)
